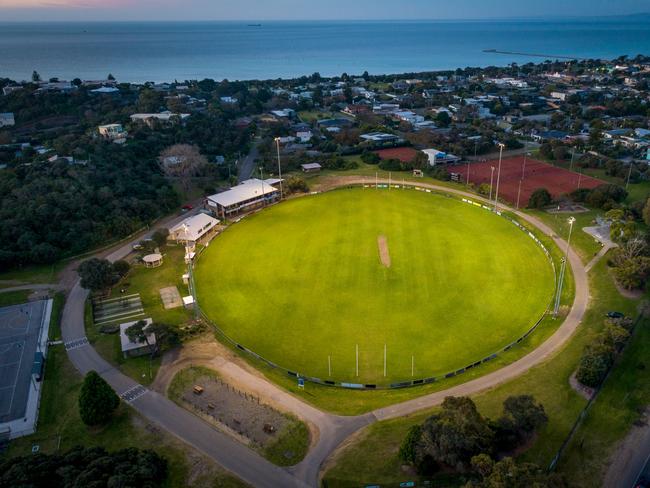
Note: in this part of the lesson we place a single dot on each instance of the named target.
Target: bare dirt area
(384, 254)
(239, 411)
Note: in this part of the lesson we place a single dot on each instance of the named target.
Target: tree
(138, 332)
(97, 400)
(646, 212)
(527, 416)
(443, 119)
(97, 274)
(86, 466)
(166, 336)
(408, 451)
(594, 364)
(182, 162)
(456, 434)
(36, 78)
(121, 268)
(160, 237)
(540, 198)
(110, 77)
(509, 474)
(296, 184)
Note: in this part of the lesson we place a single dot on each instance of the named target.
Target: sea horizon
(248, 49)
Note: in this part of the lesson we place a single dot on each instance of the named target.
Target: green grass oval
(303, 280)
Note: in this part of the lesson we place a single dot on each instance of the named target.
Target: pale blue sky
(46, 10)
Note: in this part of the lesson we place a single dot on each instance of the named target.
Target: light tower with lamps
(558, 295)
(496, 198)
(277, 143)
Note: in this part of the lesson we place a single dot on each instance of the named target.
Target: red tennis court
(404, 154)
(535, 174)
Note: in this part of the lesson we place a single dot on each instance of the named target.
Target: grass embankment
(34, 274)
(294, 437)
(14, 297)
(373, 456)
(60, 427)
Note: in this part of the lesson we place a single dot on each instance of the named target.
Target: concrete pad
(171, 297)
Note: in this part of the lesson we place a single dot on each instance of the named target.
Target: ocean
(167, 51)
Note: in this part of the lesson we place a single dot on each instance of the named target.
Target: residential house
(112, 132)
(7, 119)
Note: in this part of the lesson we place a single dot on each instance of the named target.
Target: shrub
(594, 364)
(391, 165)
(370, 158)
(408, 451)
(121, 267)
(540, 198)
(296, 184)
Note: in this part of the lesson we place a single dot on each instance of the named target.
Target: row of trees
(599, 355)
(457, 434)
(91, 467)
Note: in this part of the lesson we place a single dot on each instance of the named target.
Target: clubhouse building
(248, 195)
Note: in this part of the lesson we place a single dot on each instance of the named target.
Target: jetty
(534, 55)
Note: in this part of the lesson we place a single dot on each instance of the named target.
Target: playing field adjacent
(439, 282)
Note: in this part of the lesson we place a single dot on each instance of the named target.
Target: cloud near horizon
(88, 10)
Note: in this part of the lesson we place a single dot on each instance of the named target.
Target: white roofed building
(7, 119)
(193, 229)
(164, 117)
(247, 195)
(440, 157)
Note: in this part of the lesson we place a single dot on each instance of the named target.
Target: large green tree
(456, 434)
(97, 400)
(86, 466)
(97, 274)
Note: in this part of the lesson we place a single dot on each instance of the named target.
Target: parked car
(615, 315)
(187, 207)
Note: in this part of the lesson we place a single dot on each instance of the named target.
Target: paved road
(232, 455)
(631, 459)
(333, 430)
(247, 165)
(36, 287)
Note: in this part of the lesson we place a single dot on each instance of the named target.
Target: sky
(98, 10)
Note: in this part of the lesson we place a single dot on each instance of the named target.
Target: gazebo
(152, 260)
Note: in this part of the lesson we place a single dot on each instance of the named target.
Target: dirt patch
(239, 412)
(384, 254)
(171, 297)
(581, 389)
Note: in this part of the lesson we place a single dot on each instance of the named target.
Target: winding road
(332, 429)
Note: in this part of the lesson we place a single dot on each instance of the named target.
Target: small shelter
(134, 349)
(152, 260)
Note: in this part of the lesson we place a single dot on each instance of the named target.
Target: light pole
(491, 180)
(277, 143)
(629, 175)
(563, 268)
(496, 198)
(573, 154)
(523, 170)
(519, 194)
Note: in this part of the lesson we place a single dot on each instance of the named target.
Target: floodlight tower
(277, 143)
(558, 295)
(496, 198)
